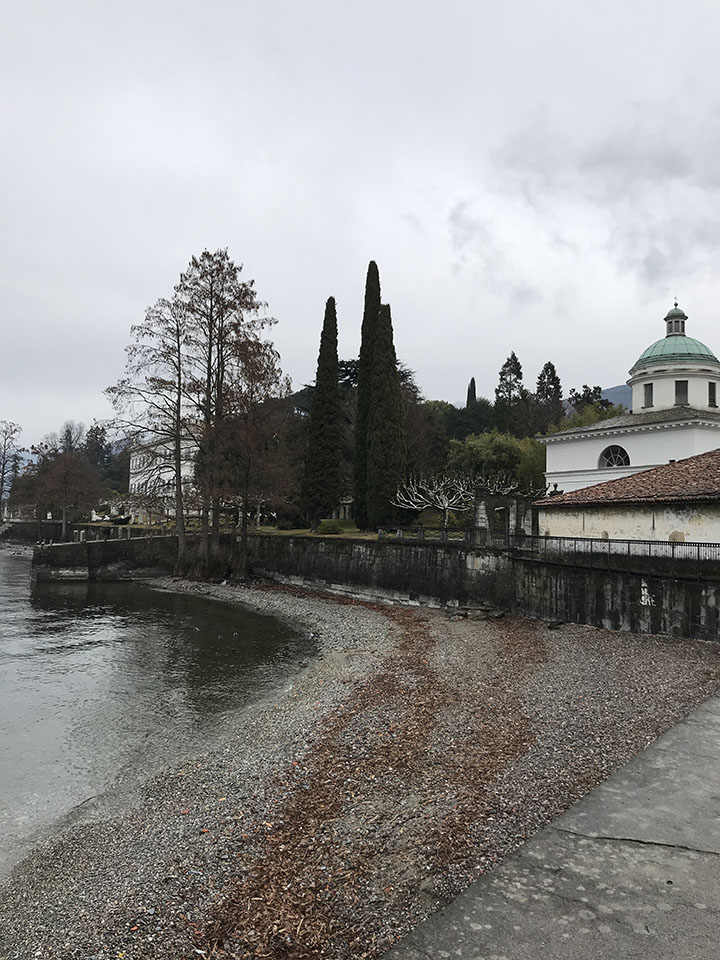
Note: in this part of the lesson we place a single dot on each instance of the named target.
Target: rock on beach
(411, 755)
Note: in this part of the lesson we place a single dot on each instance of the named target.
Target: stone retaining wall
(437, 573)
(105, 559)
(400, 570)
(618, 601)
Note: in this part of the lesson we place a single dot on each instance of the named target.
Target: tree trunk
(179, 509)
(215, 526)
(244, 560)
(205, 536)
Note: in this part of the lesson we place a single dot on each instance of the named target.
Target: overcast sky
(532, 176)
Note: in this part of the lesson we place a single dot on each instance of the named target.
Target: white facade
(694, 523)
(664, 386)
(675, 392)
(574, 461)
(152, 481)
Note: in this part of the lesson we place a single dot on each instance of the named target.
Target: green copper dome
(676, 349)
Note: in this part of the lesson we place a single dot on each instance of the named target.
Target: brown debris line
(382, 805)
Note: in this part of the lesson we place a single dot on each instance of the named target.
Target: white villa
(152, 480)
(675, 385)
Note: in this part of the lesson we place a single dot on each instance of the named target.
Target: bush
(459, 519)
(329, 526)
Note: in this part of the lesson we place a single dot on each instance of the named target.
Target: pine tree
(548, 397)
(385, 437)
(471, 394)
(321, 479)
(511, 407)
(365, 368)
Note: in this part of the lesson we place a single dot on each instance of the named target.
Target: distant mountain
(620, 394)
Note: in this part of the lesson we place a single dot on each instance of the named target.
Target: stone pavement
(630, 871)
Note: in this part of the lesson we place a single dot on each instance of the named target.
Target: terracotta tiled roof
(681, 414)
(694, 479)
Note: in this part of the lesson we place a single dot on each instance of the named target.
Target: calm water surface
(105, 683)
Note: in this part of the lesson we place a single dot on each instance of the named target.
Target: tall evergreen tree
(548, 397)
(365, 368)
(385, 436)
(321, 479)
(471, 394)
(511, 407)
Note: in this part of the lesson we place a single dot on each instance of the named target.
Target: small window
(614, 456)
(648, 395)
(681, 392)
(712, 394)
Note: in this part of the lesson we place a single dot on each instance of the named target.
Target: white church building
(675, 386)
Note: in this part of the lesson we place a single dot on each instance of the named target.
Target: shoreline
(409, 756)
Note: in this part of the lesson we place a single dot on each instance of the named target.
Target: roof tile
(694, 479)
(683, 414)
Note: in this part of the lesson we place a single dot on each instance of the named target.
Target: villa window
(614, 456)
(681, 392)
(712, 394)
(648, 395)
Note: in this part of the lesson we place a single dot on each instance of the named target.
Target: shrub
(329, 526)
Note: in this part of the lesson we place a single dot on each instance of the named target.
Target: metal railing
(657, 558)
(427, 534)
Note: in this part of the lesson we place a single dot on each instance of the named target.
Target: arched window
(614, 456)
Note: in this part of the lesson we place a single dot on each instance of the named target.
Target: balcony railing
(427, 534)
(657, 558)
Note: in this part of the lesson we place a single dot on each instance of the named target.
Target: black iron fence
(657, 558)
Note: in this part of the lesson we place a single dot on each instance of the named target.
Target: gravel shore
(410, 756)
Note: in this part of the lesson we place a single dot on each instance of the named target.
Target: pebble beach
(409, 757)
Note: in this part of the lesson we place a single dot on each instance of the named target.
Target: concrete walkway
(630, 871)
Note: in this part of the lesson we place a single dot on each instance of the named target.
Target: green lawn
(348, 530)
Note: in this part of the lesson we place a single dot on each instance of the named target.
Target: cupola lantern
(675, 322)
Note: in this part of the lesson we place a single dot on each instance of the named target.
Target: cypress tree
(385, 435)
(321, 478)
(365, 367)
(548, 397)
(471, 394)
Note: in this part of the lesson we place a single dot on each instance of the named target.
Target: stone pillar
(480, 536)
(482, 520)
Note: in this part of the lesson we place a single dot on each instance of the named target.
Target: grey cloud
(479, 152)
(479, 251)
(653, 181)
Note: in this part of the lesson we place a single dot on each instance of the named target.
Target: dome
(676, 313)
(677, 349)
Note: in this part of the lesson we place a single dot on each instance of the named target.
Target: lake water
(106, 683)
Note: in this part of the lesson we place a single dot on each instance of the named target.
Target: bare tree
(189, 379)
(224, 323)
(442, 492)
(151, 403)
(247, 458)
(64, 480)
(9, 459)
(447, 492)
(503, 485)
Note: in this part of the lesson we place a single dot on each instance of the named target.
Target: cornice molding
(630, 428)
